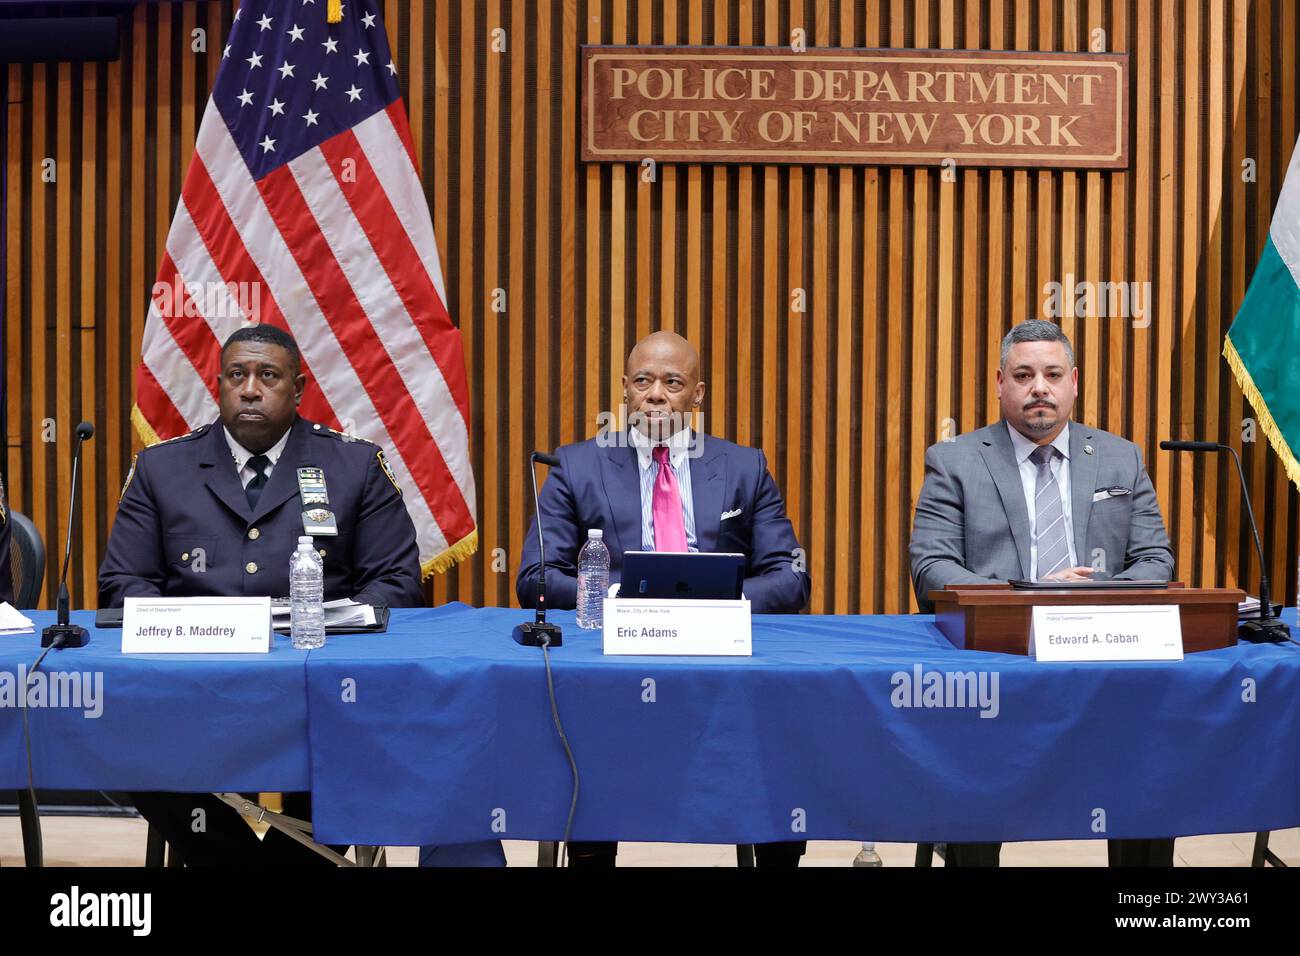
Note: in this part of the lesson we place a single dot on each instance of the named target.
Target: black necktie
(253, 490)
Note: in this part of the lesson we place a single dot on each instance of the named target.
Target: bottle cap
(304, 540)
(595, 533)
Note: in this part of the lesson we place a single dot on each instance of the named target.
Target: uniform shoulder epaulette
(338, 435)
(188, 436)
(357, 440)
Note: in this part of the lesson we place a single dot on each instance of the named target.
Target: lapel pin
(1087, 449)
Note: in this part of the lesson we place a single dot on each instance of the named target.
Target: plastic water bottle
(306, 596)
(593, 580)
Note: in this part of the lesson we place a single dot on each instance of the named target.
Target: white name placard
(1151, 632)
(234, 625)
(685, 628)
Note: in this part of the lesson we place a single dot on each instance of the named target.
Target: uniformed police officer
(219, 511)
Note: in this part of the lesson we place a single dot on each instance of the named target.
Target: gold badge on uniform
(317, 519)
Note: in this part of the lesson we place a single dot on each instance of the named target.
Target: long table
(838, 727)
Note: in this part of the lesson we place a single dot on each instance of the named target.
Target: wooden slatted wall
(909, 280)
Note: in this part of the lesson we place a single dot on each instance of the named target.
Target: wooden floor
(90, 841)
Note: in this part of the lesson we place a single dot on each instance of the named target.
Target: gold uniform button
(322, 552)
(253, 534)
(185, 556)
(251, 567)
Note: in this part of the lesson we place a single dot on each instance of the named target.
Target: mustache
(1037, 402)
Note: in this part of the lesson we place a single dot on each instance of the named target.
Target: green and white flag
(1263, 344)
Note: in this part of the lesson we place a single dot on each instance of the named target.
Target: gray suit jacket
(972, 525)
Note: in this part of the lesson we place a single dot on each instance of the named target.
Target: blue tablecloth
(450, 739)
(207, 722)
(440, 731)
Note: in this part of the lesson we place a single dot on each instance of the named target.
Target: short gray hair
(1036, 330)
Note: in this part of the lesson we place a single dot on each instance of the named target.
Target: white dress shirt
(678, 446)
(1060, 466)
(242, 455)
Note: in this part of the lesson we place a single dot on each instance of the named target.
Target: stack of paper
(12, 621)
(343, 612)
(1250, 607)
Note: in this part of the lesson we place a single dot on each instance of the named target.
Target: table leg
(33, 851)
(1263, 856)
(155, 848)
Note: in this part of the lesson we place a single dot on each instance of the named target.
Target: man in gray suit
(1035, 496)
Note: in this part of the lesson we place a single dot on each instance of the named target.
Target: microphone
(1265, 629)
(63, 633)
(1191, 446)
(539, 633)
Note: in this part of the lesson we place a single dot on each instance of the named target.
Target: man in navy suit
(729, 501)
(659, 486)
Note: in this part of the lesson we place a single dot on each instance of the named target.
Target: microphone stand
(58, 635)
(63, 633)
(1265, 628)
(539, 632)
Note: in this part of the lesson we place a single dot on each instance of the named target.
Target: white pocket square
(1107, 493)
(730, 514)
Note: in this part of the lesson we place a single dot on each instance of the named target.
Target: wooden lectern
(996, 617)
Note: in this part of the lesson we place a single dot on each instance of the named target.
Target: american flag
(302, 208)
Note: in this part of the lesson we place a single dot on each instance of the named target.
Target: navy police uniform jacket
(184, 528)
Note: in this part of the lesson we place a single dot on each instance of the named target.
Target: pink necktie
(666, 506)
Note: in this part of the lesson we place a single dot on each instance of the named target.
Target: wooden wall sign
(847, 106)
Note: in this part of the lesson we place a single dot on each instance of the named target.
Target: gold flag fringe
(143, 428)
(458, 552)
(1266, 422)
